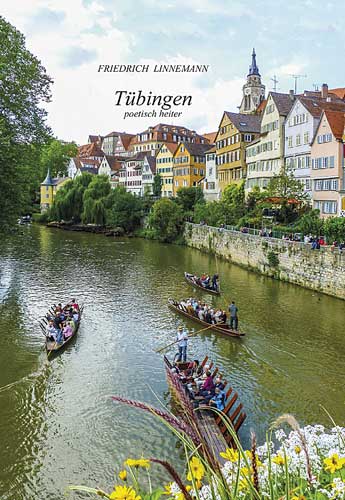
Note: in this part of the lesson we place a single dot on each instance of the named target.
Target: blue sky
(72, 37)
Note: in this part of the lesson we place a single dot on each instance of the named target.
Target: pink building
(327, 160)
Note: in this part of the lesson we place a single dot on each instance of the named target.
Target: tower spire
(253, 68)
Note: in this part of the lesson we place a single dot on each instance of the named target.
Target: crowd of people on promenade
(62, 321)
(205, 281)
(202, 388)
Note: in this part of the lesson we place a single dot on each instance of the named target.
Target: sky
(73, 37)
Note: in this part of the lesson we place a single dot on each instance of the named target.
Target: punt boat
(189, 278)
(51, 345)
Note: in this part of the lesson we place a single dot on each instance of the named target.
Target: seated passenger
(51, 330)
(218, 401)
(67, 331)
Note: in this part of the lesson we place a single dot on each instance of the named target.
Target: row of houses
(302, 133)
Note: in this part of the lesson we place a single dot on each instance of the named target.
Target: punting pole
(190, 335)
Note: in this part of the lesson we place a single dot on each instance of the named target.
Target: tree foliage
(24, 87)
(334, 229)
(167, 220)
(233, 203)
(188, 197)
(157, 186)
(69, 200)
(125, 209)
(95, 200)
(55, 155)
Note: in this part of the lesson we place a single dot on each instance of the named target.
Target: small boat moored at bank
(223, 328)
(196, 282)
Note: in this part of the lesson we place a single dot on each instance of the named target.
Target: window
(307, 185)
(306, 138)
(329, 207)
(298, 139)
(247, 137)
(184, 183)
(290, 141)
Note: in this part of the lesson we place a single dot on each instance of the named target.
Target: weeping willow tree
(96, 200)
(69, 204)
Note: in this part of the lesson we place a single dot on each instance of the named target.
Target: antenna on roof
(296, 78)
(275, 81)
(316, 87)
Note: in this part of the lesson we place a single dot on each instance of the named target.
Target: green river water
(58, 424)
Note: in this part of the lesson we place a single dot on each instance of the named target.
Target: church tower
(253, 90)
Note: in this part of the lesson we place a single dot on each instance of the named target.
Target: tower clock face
(247, 91)
(262, 91)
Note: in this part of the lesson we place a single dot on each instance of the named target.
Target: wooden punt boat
(209, 425)
(196, 285)
(52, 346)
(221, 328)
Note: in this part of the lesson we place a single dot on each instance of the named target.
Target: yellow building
(164, 167)
(235, 132)
(189, 165)
(49, 187)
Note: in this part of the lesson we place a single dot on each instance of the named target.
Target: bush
(166, 220)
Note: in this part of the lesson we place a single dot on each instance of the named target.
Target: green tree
(157, 186)
(55, 155)
(233, 203)
(211, 213)
(166, 220)
(334, 229)
(287, 188)
(125, 209)
(95, 200)
(24, 87)
(310, 223)
(188, 197)
(68, 203)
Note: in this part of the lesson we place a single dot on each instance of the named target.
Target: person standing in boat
(215, 282)
(233, 309)
(182, 340)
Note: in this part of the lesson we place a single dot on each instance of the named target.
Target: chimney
(292, 95)
(324, 91)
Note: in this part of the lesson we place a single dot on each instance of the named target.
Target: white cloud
(83, 99)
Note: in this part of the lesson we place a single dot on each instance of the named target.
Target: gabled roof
(196, 149)
(93, 171)
(316, 105)
(88, 150)
(339, 92)
(245, 123)
(151, 160)
(336, 120)
(137, 157)
(114, 162)
(261, 106)
(283, 102)
(95, 138)
(211, 136)
(171, 146)
(212, 150)
(126, 140)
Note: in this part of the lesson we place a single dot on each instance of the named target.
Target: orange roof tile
(336, 120)
(210, 136)
(339, 92)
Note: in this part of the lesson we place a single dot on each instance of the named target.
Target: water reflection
(58, 424)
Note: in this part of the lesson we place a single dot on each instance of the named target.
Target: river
(58, 424)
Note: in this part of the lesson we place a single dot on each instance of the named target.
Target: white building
(109, 164)
(300, 127)
(210, 183)
(265, 156)
(130, 175)
(148, 174)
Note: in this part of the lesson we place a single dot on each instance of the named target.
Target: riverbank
(294, 262)
(88, 228)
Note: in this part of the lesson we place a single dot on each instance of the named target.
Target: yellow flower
(167, 489)
(180, 496)
(124, 493)
(243, 485)
(123, 475)
(333, 463)
(188, 487)
(300, 497)
(279, 460)
(230, 454)
(298, 449)
(198, 484)
(140, 462)
(196, 469)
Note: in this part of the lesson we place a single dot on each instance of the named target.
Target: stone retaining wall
(322, 270)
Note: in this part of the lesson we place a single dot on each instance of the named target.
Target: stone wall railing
(322, 270)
